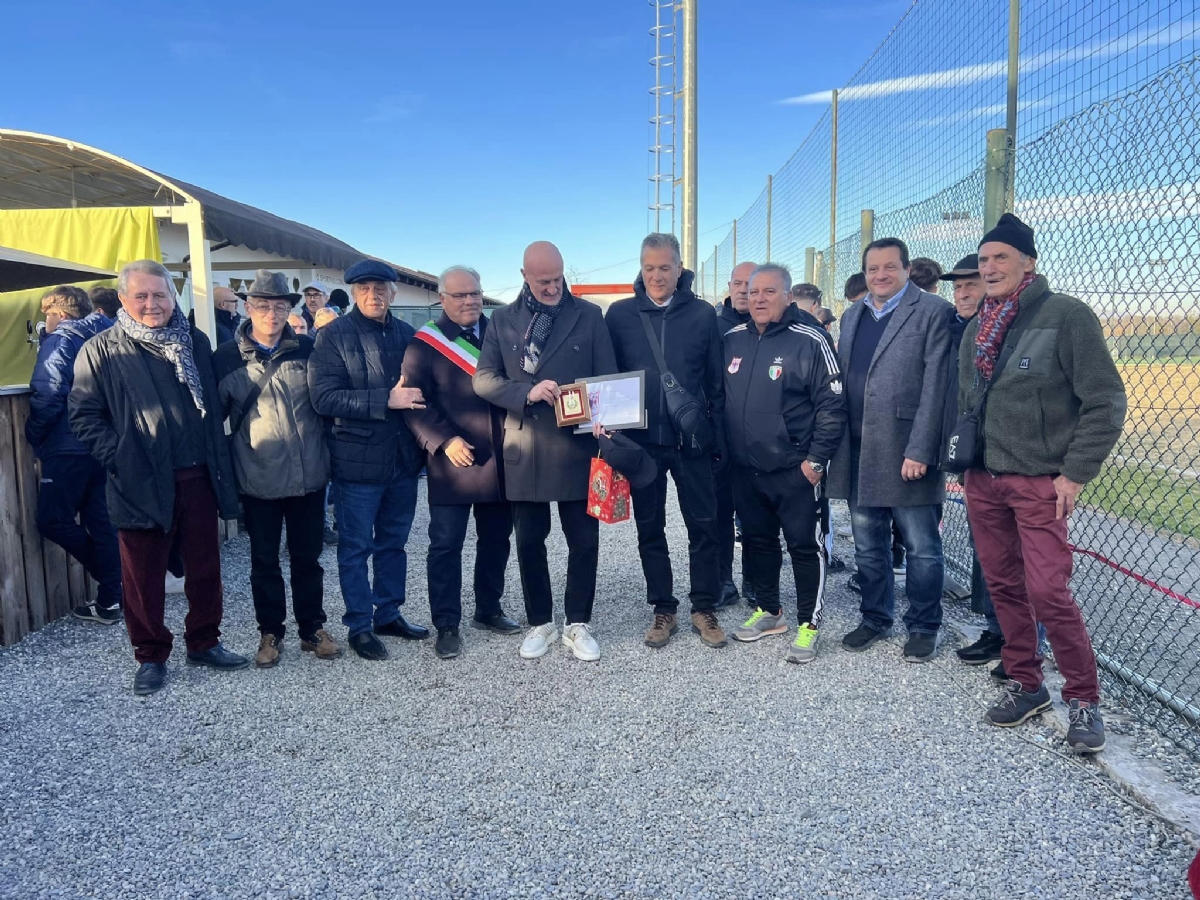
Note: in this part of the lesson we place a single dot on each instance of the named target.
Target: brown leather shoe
(325, 647)
(658, 634)
(268, 652)
(706, 625)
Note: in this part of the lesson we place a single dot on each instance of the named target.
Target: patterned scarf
(995, 315)
(539, 328)
(174, 341)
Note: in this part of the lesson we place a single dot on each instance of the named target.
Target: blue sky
(434, 133)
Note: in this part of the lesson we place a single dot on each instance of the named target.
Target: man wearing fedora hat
(355, 381)
(1055, 408)
(281, 463)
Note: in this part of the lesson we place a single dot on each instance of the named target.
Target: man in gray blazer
(893, 352)
(544, 339)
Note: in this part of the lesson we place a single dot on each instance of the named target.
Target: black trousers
(447, 533)
(73, 485)
(723, 481)
(766, 502)
(698, 502)
(531, 523)
(305, 517)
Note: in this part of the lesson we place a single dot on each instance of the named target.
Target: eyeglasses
(281, 308)
(468, 295)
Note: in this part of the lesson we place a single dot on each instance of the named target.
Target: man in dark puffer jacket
(355, 382)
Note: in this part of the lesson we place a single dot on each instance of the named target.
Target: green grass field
(1162, 500)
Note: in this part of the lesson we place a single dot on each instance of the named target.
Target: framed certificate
(571, 407)
(618, 402)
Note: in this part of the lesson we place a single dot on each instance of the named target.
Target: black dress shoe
(998, 673)
(218, 658)
(836, 564)
(498, 622)
(368, 646)
(149, 678)
(729, 596)
(403, 629)
(449, 644)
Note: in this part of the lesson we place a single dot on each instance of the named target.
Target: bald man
(544, 339)
(225, 303)
(734, 311)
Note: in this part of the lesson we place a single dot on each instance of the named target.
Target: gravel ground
(685, 772)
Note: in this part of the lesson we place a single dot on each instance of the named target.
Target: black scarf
(539, 328)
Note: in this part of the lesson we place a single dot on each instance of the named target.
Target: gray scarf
(174, 341)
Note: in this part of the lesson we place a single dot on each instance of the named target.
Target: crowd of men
(756, 413)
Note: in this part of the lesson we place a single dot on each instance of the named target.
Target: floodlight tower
(687, 194)
(662, 122)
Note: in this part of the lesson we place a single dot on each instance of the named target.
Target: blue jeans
(373, 521)
(926, 566)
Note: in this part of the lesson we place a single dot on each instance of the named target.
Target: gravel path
(685, 772)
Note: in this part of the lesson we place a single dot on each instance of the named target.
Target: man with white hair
(463, 439)
(145, 403)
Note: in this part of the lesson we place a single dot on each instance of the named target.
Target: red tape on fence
(1140, 579)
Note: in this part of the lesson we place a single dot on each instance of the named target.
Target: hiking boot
(268, 652)
(854, 582)
(920, 648)
(759, 625)
(448, 644)
(1017, 704)
(705, 624)
(861, 638)
(322, 644)
(1085, 731)
(659, 633)
(729, 596)
(578, 639)
(98, 614)
(984, 650)
(804, 647)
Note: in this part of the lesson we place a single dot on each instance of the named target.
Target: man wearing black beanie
(1055, 408)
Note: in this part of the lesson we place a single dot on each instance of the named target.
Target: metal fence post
(810, 262)
(833, 188)
(995, 178)
(769, 180)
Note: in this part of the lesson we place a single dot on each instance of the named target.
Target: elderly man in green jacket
(1055, 408)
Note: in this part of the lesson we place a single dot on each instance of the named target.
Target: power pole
(688, 220)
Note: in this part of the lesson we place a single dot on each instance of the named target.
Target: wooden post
(28, 485)
(14, 609)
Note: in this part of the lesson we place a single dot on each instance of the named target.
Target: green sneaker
(804, 647)
(759, 625)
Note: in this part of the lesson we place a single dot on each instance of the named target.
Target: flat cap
(370, 270)
(967, 267)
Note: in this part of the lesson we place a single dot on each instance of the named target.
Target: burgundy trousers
(144, 572)
(1026, 563)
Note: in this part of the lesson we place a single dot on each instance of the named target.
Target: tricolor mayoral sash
(459, 351)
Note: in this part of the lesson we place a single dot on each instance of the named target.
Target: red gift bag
(608, 493)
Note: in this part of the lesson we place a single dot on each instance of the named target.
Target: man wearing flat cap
(146, 406)
(463, 439)
(968, 294)
(316, 298)
(1055, 408)
(356, 383)
(281, 463)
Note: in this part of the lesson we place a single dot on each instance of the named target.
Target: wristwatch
(818, 467)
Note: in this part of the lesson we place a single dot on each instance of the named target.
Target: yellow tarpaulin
(107, 238)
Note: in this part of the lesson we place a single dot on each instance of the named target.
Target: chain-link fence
(1107, 171)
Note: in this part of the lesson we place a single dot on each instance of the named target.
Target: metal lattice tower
(662, 122)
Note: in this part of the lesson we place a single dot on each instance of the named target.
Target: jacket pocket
(908, 413)
(512, 446)
(353, 433)
(768, 444)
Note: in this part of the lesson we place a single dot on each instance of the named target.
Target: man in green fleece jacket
(1055, 408)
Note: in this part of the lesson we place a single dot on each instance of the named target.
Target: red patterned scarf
(995, 316)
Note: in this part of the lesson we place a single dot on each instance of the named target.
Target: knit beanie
(1012, 231)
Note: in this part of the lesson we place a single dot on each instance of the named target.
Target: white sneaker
(579, 640)
(538, 641)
